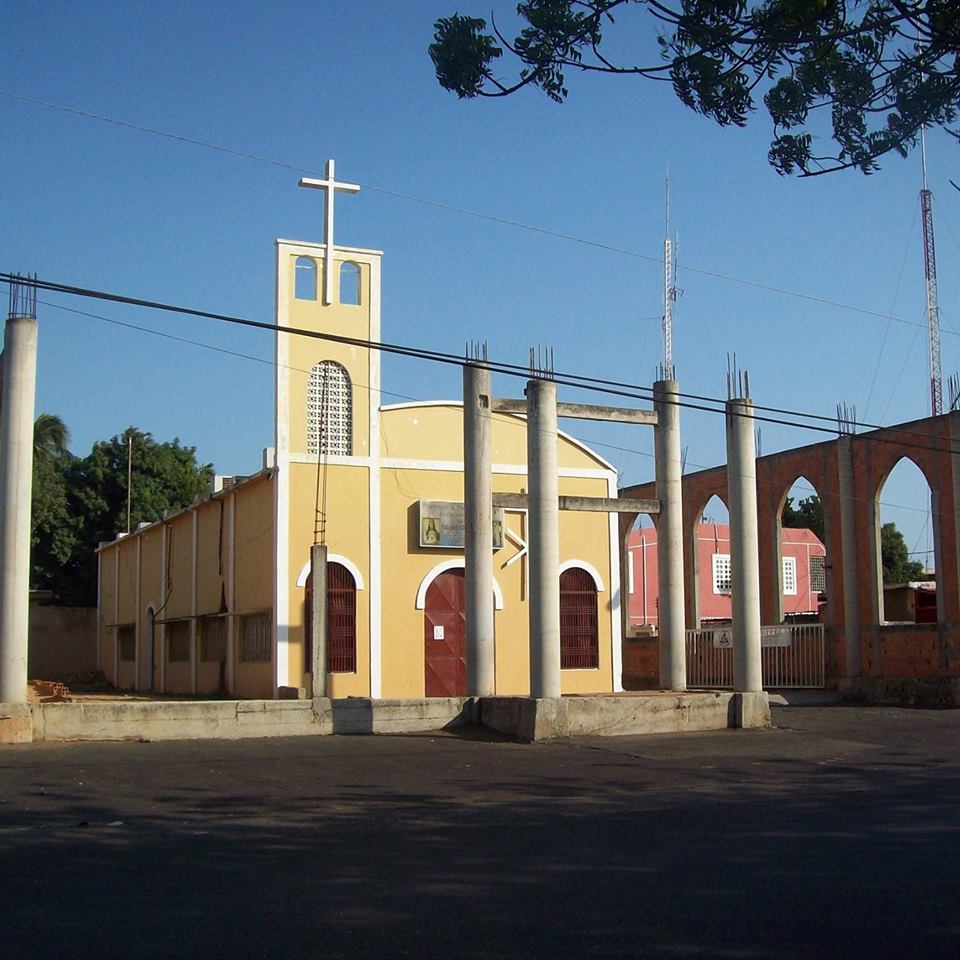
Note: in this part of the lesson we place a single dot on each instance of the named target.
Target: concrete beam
(520, 501)
(582, 411)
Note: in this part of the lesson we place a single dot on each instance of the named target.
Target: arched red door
(445, 636)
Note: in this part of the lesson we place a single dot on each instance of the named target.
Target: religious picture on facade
(430, 531)
(442, 525)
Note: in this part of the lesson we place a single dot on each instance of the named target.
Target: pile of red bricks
(50, 691)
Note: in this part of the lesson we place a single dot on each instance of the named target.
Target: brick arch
(693, 575)
(772, 586)
(894, 458)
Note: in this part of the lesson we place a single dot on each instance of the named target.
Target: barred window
(721, 573)
(790, 576)
(329, 409)
(178, 641)
(213, 639)
(579, 647)
(256, 636)
(341, 620)
(350, 283)
(127, 642)
(818, 574)
(305, 279)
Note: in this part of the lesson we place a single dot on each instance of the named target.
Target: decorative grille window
(256, 636)
(329, 409)
(127, 642)
(579, 648)
(790, 576)
(213, 639)
(721, 573)
(178, 641)
(818, 574)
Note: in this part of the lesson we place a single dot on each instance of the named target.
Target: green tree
(53, 530)
(807, 514)
(895, 558)
(868, 73)
(79, 503)
(51, 438)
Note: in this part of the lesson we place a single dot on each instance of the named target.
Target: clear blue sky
(109, 207)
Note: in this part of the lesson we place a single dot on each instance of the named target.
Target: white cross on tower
(330, 185)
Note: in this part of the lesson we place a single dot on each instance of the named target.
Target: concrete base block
(16, 723)
(612, 716)
(751, 710)
(356, 715)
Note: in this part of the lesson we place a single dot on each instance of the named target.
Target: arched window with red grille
(341, 620)
(579, 647)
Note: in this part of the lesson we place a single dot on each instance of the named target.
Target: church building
(213, 599)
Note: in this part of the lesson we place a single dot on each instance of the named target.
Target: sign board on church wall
(442, 525)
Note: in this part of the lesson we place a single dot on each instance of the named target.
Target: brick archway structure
(848, 473)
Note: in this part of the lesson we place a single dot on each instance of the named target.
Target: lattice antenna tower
(930, 275)
(669, 285)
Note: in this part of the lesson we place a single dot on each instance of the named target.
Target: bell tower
(327, 431)
(327, 389)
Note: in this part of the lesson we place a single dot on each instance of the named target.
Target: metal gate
(791, 656)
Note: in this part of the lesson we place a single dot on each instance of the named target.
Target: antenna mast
(669, 286)
(930, 275)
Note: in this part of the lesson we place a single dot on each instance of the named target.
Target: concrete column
(478, 531)
(544, 539)
(848, 548)
(318, 619)
(16, 481)
(671, 629)
(744, 545)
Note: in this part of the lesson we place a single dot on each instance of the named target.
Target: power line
(274, 364)
(464, 211)
(631, 391)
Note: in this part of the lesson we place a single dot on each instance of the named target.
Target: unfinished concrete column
(848, 548)
(744, 545)
(318, 619)
(478, 531)
(673, 658)
(16, 479)
(544, 539)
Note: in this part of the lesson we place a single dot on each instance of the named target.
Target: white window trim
(789, 580)
(721, 559)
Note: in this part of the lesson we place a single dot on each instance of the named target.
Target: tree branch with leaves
(864, 75)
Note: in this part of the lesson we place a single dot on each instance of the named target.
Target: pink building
(802, 573)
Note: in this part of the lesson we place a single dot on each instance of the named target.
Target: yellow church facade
(213, 600)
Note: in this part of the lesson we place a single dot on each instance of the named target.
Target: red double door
(445, 636)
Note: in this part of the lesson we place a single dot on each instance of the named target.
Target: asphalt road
(837, 834)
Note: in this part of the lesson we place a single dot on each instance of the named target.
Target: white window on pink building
(789, 576)
(721, 573)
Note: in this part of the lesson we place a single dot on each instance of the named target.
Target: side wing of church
(213, 599)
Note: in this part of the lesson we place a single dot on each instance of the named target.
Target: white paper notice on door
(438, 633)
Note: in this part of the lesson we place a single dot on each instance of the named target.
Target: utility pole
(669, 286)
(930, 275)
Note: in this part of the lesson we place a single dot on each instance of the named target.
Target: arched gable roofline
(443, 567)
(573, 441)
(333, 558)
(588, 567)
